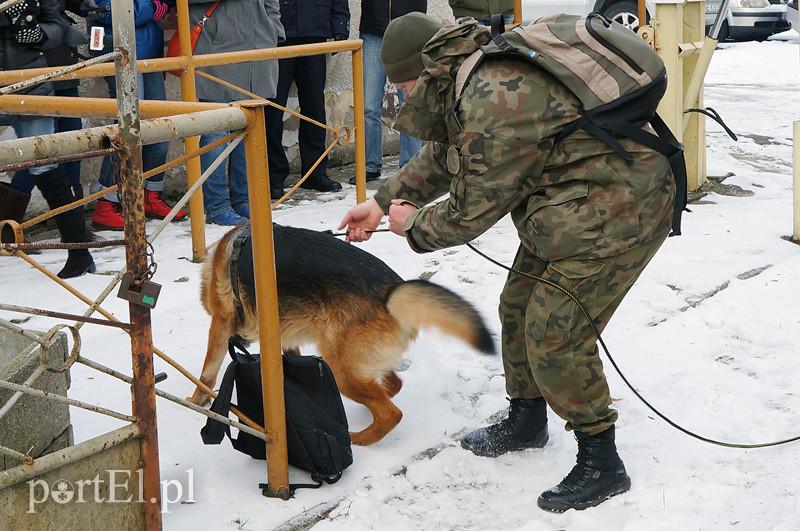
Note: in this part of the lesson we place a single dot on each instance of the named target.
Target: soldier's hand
(360, 219)
(398, 214)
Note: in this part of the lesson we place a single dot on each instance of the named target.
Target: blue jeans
(23, 181)
(215, 189)
(25, 126)
(374, 92)
(151, 87)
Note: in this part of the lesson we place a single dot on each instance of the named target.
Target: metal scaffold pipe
(152, 132)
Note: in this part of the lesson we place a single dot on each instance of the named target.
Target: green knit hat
(401, 51)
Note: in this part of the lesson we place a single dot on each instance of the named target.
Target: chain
(152, 266)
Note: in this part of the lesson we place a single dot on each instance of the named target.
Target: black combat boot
(525, 427)
(321, 183)
(598, 475)
(13, 204)
(71, 225)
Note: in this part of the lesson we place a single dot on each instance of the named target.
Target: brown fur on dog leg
(392, 383)
(385, 415)
(219, 332)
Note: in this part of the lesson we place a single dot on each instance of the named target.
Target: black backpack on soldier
(318, 438)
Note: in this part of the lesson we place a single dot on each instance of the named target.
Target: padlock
(146, 295)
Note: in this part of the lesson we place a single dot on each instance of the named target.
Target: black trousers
(309, 74)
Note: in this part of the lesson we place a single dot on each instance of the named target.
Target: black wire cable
(621, 375)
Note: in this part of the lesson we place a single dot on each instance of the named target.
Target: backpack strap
(466, 70)
(213, 432)
(498, 25)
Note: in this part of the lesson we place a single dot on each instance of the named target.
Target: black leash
(621, 375)
(611, 358)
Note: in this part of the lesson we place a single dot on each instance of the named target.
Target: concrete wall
(72, 489)
(33, 423)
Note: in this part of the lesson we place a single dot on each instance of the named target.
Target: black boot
(57, 193)
(598, 475)
(525, 427)
(276, 190)
(13, 204)
(321, 183)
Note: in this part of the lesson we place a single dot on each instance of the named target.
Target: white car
(746, 19)
(792, 16)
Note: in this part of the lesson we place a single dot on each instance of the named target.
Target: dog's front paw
(199, 398)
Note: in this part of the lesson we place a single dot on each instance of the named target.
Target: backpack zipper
(610, 47)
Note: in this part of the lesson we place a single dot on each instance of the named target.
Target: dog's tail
(419, 303)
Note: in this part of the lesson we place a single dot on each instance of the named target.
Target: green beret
(401, 51)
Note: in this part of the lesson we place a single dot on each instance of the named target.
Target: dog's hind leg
(218, 334)
(385, 415)
(392, 383)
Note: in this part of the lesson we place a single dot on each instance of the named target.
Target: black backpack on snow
(318, 438)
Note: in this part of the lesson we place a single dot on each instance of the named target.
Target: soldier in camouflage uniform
(587, 221)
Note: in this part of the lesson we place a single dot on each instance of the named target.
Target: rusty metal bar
(172, 398)
(165, 129)
(56, 160)
(58, 72)
(267, 303)
(113, 188)
(358, 123)
(25, 458)
(68, 246)
(62, 315)
(11, 386)
(164, 64)
(132, 200)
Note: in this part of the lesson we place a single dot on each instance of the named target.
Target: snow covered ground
(710, 334)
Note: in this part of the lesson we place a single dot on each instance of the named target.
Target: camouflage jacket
(495, 153)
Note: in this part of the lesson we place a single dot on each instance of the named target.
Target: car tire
(626, 13)
(724, 32)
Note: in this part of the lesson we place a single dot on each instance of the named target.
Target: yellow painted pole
(358, 123)
(197, 215)
(796, 165)
(694, 124)
(517, 11)
(269, 336)
(642, 12)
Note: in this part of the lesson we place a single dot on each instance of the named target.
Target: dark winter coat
(238, 25)
(481, 9)
(376, 14)
(14, 56)
(149, 33)
(67, 53)
(323, 19)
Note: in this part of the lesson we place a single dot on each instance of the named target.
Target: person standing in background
(305, 22)
(375, 16)
(235, 25)
(482, 10)
(27, 29)
(149, 44)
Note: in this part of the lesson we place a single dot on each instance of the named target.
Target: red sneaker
(107, 216)
(156, 207)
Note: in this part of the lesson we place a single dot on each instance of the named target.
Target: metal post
(131, 186)
(197, 218)
(642, 13)
(517, 11)
(269, 335)
(694, 137)
(796, 165)
(358, 123)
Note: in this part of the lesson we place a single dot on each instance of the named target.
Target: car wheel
(626, 13)
(724, 32)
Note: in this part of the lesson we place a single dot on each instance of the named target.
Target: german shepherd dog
(359, 313)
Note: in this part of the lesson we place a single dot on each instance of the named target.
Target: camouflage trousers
(549, 348)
